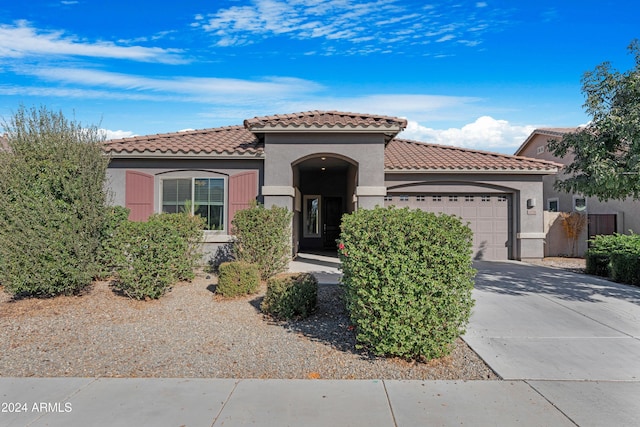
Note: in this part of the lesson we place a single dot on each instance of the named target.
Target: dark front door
(333, 210)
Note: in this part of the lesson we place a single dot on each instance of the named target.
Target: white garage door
(487, 215)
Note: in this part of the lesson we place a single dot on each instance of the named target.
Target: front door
(332, 217)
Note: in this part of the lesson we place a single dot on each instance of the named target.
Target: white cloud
(389, 23)
(116, 134)
(485, 133)
(22, 40)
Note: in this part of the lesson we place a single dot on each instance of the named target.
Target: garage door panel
(488, 218)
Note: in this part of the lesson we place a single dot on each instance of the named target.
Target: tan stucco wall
(365, 151)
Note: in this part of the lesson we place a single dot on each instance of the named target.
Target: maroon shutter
(243, 188)
(139, 195)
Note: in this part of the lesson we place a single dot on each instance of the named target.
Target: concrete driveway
(574, 338)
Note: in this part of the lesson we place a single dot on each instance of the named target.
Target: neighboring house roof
(231, 140)
(406, 155)
(552, 132)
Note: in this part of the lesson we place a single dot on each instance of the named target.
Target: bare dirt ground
(191, 332)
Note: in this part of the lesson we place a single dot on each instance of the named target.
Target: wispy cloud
(196, 89)
(390, 24)
(23, 40)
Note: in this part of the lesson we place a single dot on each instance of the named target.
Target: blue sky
(478, 74)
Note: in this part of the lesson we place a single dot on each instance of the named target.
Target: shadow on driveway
(514, 278)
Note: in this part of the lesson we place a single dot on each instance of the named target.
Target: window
(197, 196)
(485, 198)
(436, 198)
(453, 198)
(420, 198)
(579, 203)
(541, 149)
(469, 198)
(502, 198)
(311, 216)
(404, 198)
(553, 205)
(388, 198)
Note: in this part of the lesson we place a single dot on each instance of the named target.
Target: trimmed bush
(290, 295)
(623, 248)
(52, 204)
(625, 267)
(153, 255)
(237, 278)
(408, 277)
(263, 237)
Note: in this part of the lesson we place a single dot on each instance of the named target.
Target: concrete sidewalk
(218, 402)
(567, 344)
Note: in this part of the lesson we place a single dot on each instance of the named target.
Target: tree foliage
(607, 150)
(52, 203)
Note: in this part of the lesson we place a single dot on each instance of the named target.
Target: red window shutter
(243, 188)
(139, 195)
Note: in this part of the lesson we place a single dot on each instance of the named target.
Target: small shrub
(290, 295)
(263, 237)
(153, 255)
(237, 278)
(408, 278)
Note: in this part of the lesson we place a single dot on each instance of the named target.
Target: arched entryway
(325, 186)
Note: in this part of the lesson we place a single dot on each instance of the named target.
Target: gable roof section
(551, 132)
(231, 141)
(327, 121)
(403, 155)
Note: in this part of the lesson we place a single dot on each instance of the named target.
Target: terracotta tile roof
(326, 119)
(224, 140)
(403, 155)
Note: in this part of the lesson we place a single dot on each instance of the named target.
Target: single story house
(613, 216)
(322, 164)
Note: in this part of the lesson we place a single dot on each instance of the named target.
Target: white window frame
(551, 200)
(193, 177)
(540, 149)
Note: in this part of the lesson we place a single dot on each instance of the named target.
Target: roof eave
(476, 171)
(180, 155)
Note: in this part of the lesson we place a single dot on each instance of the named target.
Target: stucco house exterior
(322, 164)
(613, 216)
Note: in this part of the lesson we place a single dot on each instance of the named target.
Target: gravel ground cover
(191, 332)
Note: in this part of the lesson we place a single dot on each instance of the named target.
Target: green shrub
(408, 278)
(115, 216)
(237, 278)
(625, 267)
(263, 237)
(153, 255)
(52, 204)
(290, 295)
(599, 256)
